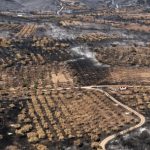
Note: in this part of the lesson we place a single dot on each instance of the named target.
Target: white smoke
(113, 2)
(84, 52)
(58, 33)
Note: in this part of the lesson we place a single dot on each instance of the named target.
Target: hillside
(52, 5)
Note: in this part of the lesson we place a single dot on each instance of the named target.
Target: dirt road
(141, 117)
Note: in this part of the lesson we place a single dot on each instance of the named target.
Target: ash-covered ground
(51, 45)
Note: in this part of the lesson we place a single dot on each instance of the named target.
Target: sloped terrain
(10, 5)
(52, 5)
(65, 77)
(28, 5)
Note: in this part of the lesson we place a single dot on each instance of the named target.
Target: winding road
(60, 10)
(140, 116)
(105, 141)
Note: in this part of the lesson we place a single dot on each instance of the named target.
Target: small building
(122, 88)
(20, 14)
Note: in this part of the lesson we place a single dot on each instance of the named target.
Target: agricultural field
(135, 97)
(67, 117)
(74, 75)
